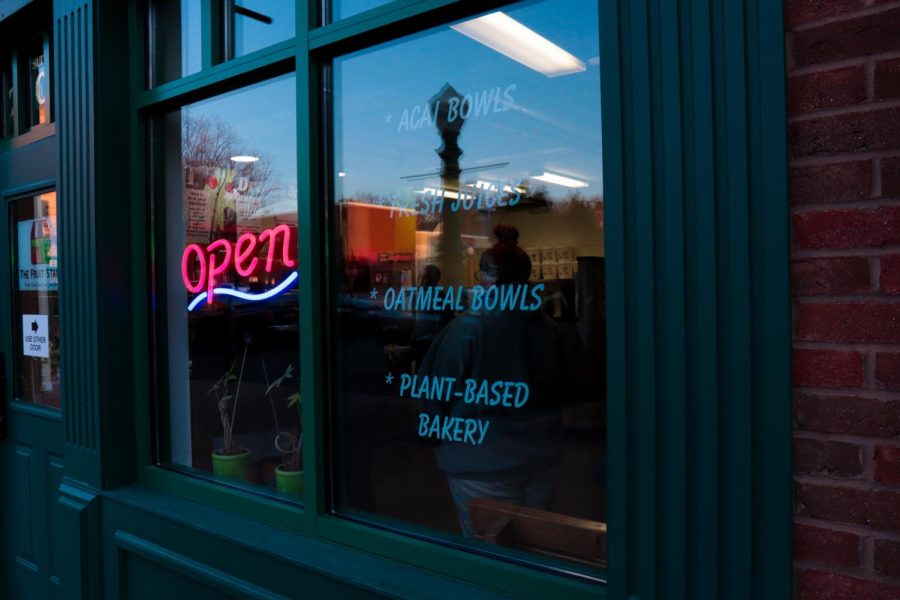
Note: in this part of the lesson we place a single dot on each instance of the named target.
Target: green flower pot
(289, 482)
(233, 466)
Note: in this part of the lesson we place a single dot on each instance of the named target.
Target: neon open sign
(218, 257)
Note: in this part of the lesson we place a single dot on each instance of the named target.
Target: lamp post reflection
(449, 245)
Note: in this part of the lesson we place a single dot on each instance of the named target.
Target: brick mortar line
(845, 527)
(846, 253)
(879, 395)
(842, 157)
(826, 473)
(868, 458)
(857, 572)
(845, 16)
(867, 560)
(847, 346)
(868, 296)
(870, 203)
(863, 252)
(849, 109)
(858, 440)
(869, 379)
(875, 274)
(841, 64)
(887, 301)
(869, 71)
(862, 485)
(842, 298)
(842, 388)
(877, 190)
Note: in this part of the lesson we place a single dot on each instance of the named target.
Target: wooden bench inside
(515, 526)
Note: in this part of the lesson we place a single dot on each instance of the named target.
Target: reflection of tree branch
(261, 176)
(209, 143)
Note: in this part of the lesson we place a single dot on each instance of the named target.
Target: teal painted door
(31, 455)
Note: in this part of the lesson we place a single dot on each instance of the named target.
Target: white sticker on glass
(35, 336)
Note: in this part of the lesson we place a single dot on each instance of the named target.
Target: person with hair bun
(505, 262)
(518, 459)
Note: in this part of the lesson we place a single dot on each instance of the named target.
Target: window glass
(7, 98)
(469, 291)
(175, 39)
(341, 9)
(231, 335)
(34, 76)
(36, 318)
(38, 87)
(260, 23)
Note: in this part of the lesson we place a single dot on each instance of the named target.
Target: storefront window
(230, 343)
(469, 295)
(36, 310)
(259, 23)
(175, 39)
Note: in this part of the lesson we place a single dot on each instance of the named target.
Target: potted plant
(289, 474)
(229, 461)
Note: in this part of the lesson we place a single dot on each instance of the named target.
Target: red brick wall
(843, 60)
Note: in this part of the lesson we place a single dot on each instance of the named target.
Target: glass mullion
(311, 213)
(16, 126)
(211, 27)
(7, 97)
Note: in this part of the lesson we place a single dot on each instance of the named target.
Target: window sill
(335, 561)
(31, 136)
(405, 564)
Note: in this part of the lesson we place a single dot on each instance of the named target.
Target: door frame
(40, 426)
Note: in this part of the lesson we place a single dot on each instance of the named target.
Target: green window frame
(699, 337)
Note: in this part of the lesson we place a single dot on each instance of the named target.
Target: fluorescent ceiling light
(244, 159)
(498, 31)
(341, 174)
(560, 180)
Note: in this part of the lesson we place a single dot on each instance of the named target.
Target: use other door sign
(35, 336)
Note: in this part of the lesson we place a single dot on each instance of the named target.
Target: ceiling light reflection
(560, 180)
(498, 31)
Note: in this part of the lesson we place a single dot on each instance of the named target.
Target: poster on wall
(37, 264)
